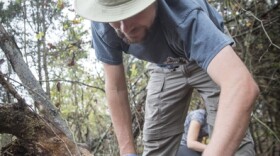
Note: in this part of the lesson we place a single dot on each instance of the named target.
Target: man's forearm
(117, 96)
(238, 94)
(121, 118)
(232, 120)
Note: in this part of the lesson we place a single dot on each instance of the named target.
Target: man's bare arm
(117, 97)
(238, 94)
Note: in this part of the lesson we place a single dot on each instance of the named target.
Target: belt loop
(186, 71)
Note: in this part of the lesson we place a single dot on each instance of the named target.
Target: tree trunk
(48, 135)
(29, 81)
(36, 135)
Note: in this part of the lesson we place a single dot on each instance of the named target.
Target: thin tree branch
(262, 25)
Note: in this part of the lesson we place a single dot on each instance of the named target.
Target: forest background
(55, 43)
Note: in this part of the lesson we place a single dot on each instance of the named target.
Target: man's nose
(125, 26)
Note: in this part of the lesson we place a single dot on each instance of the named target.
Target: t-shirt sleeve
(199, 116)
(108, 47)
(202, 39)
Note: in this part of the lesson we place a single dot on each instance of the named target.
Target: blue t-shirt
(197, 115)
(183, 31)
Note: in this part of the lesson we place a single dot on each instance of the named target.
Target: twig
(10, 88)
(267, 127)
(262, 25)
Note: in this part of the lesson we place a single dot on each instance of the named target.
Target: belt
(168, 66)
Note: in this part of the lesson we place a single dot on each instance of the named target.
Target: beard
(122, 36)
(132, 40)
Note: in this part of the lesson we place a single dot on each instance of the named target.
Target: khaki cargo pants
(169, 93)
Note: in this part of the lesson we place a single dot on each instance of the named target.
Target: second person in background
(195, 129)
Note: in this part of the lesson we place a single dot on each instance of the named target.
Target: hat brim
(92, 10)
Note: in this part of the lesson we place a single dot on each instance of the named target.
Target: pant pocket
(154, 89)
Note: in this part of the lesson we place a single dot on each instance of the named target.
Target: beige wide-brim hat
(110, 10)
